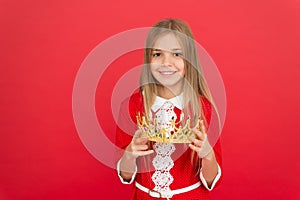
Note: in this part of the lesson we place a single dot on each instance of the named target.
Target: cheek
(155, 62)
(183, 72)
(180, 66)
(180, 63)
(152, 68)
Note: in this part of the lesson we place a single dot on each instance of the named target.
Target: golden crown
(177, 132)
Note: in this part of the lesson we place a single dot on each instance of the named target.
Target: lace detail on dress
(163, 162)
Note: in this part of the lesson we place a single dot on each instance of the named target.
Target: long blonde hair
(194, 84)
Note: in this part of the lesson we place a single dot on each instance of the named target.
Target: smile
(167, 72)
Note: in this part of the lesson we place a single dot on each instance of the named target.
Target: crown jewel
(177, 132)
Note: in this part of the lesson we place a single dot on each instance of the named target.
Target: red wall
(255, 45)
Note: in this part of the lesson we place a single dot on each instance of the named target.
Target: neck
(168, 93)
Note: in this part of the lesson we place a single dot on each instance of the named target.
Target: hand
(138, 146)
(200, 144)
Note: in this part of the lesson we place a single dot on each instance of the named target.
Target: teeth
(167, 73)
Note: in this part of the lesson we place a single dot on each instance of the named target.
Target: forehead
(167, 42)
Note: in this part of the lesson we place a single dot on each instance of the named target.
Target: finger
(199, 134)
(201, 153)
(137, 133)
(139, 147)
(143, 153)
(137, 136)
(195, 141)
(202, 127)
(195, 148)
(141, 140)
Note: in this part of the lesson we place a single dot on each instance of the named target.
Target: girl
(172, 88)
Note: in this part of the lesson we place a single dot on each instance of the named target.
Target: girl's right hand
(138, 146)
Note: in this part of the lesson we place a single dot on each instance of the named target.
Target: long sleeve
(121, 178)
(126, 127)
(218, 176)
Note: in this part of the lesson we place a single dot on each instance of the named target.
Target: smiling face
(167, 64)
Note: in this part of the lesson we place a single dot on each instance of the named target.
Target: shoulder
(136, 97)
(134, 104)
(206, 107)
(205, 103)
(135, 101)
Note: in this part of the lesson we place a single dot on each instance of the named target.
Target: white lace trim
(163, 162)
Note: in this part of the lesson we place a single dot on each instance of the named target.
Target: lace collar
(176, 101)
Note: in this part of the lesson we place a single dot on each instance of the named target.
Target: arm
(131, 146)
(210, 170)
(127, 164)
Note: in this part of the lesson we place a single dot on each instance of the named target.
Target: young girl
(172, 89)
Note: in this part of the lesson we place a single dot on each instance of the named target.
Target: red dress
(182, 171)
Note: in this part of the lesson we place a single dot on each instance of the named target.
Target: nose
(167, 60)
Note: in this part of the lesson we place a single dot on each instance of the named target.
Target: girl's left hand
(200, 144)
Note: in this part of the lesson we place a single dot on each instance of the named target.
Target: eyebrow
(175, 49)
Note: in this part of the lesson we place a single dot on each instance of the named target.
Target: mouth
(167, 72)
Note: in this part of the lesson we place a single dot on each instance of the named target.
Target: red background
(255, 44)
